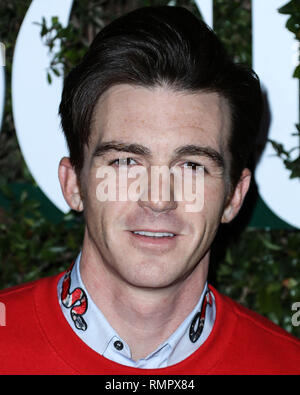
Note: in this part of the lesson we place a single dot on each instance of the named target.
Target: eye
(122, 162)
(193, 165)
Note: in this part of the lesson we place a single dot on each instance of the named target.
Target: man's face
(161, 122)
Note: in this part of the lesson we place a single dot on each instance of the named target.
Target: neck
(143, 317)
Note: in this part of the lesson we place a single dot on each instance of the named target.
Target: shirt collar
(94, 329)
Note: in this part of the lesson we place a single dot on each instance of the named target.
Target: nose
(158, 195)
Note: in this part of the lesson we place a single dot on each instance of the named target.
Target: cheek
(213, 207)
(99, 186)
(214, 192)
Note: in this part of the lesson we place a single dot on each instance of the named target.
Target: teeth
(154, 234)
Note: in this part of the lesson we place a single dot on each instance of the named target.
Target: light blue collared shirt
(101, 337)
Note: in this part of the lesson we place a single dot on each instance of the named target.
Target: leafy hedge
(258, 268)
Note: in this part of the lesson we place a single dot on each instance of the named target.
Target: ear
(236, 200)
(69, 184)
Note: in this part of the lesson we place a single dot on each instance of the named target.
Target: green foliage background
(258, 268)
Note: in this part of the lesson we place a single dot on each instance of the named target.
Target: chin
(151, 275)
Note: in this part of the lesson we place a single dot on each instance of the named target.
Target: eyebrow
(196, 150)
(138, 149)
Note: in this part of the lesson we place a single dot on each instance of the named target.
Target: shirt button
(118, 345)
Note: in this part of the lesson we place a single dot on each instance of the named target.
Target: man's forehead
(158, 109)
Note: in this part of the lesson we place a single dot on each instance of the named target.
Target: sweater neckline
(90, 324)
(83, 360)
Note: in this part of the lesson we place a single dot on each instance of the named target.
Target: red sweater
(37, 339)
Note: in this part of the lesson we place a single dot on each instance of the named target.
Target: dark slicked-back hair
(161, 46)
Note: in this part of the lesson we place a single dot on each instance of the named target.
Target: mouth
(153, 233)
(152, 237)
